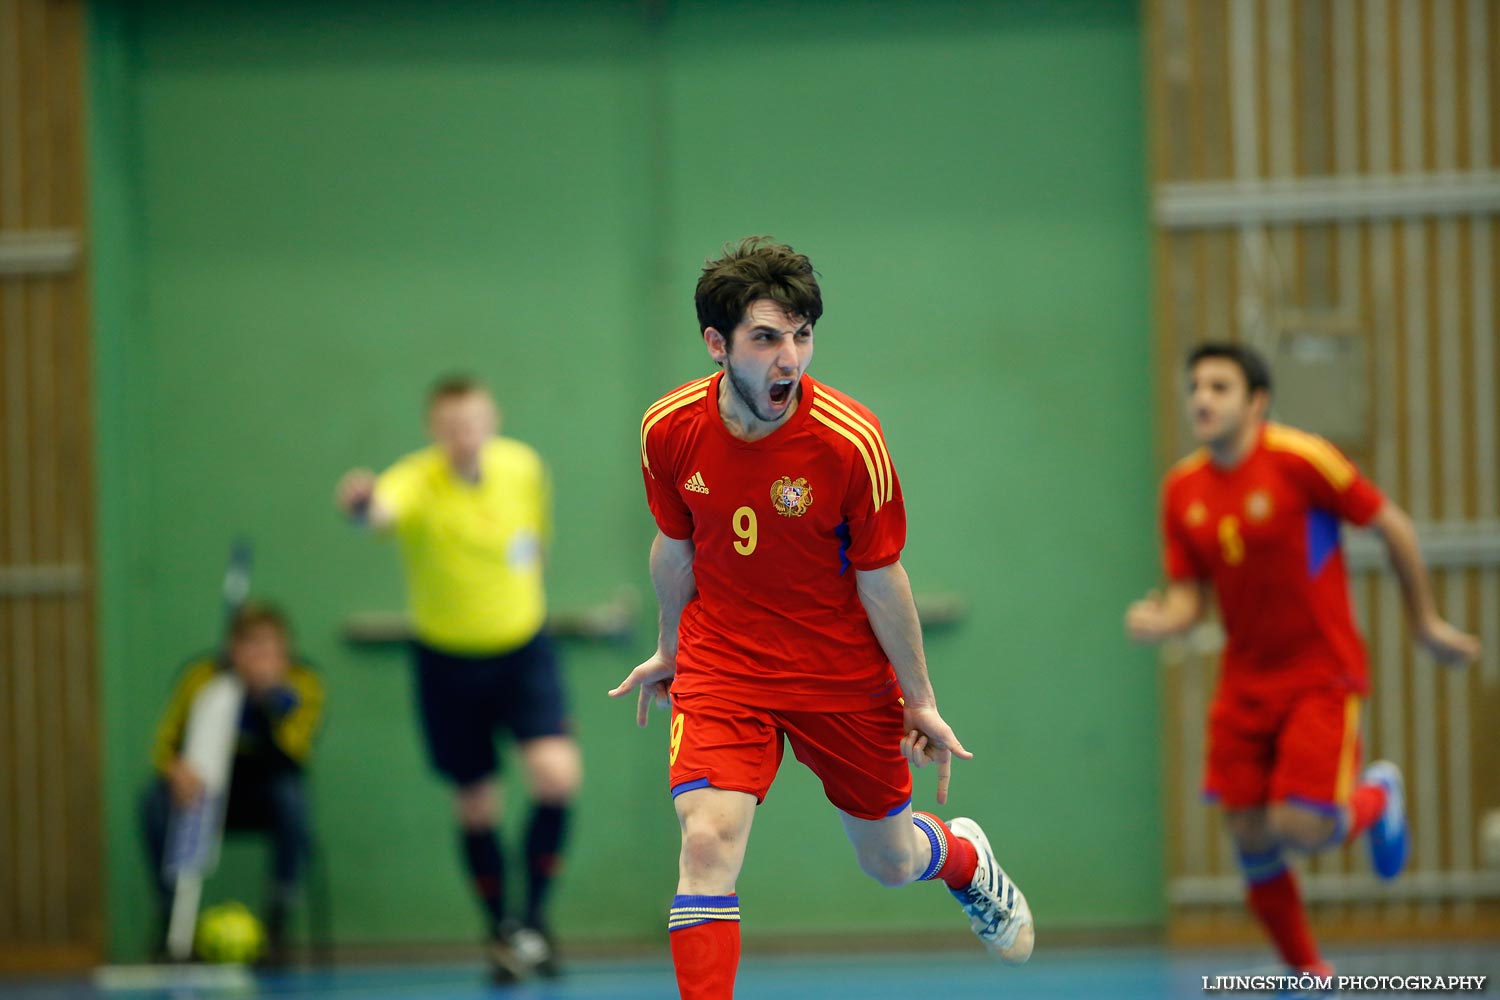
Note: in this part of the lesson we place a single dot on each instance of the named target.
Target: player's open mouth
(780, 390)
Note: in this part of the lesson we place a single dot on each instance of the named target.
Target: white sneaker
(516, 952)
(996, 908)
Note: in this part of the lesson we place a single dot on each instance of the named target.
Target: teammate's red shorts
(1303, 749)
(857, 755)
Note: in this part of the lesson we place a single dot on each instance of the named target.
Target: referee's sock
(705, 935)
(544, 840)
(486, 873)
(953, 858)
(1274, 899)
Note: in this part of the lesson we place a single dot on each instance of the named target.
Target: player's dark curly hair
(755, 268)
(1250, 361)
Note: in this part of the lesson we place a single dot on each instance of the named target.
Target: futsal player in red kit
(1255, 513)
(786, 615)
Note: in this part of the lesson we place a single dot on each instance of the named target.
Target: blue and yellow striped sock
(1261, 866)
(690, 911)
(937, 837)
(953, 858)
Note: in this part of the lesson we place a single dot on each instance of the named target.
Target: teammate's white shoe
(995, 906)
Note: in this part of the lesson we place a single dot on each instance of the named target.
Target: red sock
(1278, 906)
(954, 858)
(706, 955)
(1365, 808)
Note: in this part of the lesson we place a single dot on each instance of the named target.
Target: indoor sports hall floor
(1135, 973)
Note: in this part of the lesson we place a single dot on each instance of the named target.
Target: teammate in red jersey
(1255, 513)
(786, 614)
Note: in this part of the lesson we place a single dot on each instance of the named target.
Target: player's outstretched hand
(653, 678)
(354, 492)
(929, 740)
(1448, 645)
(1147, 620)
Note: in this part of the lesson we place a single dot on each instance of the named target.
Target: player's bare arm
(355, 496)
(672, 579)
(886, 596)
(1160, 616)
(1443, 641)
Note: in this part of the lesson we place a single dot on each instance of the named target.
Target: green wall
(303, 212)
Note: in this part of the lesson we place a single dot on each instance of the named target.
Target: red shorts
(857, 755)
(1304, 750)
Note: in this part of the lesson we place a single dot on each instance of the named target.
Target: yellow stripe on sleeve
(1188, 463)
(677, 394)
(646, 425)
(657, 407)
(864, 452)
(886, 483)
(1333, 466)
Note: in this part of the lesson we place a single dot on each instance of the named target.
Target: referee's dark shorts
(466, 700)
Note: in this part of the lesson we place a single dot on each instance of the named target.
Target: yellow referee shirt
(473, 551)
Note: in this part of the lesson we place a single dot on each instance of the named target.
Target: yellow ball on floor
(229, 932)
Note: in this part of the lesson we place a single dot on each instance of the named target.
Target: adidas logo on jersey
(696, 483)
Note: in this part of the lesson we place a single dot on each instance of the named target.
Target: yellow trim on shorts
(1348, 754)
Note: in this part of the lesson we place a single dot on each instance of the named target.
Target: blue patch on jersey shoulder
(1322, 539)
(842, 531)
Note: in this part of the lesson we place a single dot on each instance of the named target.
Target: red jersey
(777, 525)
(1266, 533)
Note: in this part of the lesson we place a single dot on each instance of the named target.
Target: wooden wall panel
(50, 860)
(1327, 172)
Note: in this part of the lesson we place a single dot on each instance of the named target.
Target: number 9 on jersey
(745, 527)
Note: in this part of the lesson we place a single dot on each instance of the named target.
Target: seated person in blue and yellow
(282, 711)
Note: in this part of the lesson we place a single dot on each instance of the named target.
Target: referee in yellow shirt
(471, 516)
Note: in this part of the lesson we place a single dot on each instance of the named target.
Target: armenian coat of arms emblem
(1258, 506)
(791, 497)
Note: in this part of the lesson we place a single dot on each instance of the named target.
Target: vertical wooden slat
(1450, 390)
(1478, 30)
(1493, 60)
(1211, 70)
(10, 760)
(1379, 310)
(1484, 98)
(50, 886)
(1279, 130)
(1415, 442)
(42, 334)
(80, 727)
(1165, 19)
(1458, 16)
(1343, 158)
(82, 722)
(23, 709)
(1176, 24)
(1245, 87)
